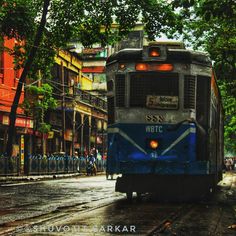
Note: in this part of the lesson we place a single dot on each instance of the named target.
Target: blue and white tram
(165, 128)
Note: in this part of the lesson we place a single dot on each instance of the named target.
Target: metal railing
(73, 93)
(90, 99)
(50, 164)
(9, 166)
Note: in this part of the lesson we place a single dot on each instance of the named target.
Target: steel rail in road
(166, 223)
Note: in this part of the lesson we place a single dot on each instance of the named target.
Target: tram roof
(173, 55)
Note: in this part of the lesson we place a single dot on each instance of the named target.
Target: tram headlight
(122, 66)
(154, 52)
(153, 143)
(141, 66)
(164, 67)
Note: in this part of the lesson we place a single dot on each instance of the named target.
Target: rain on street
(90, 206)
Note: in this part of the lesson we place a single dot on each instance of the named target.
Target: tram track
(201, 218)
(167, 222)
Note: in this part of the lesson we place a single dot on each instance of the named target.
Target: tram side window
(202, 110)
(109, 85)
(189, 92)
(120, 90)
(203, 100)
(111, 110)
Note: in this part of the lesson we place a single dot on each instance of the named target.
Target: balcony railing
(88, 98)
(72, 93)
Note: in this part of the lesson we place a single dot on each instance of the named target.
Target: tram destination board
(162, 102)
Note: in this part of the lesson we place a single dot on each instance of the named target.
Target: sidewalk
(70, 175)
(42, 177)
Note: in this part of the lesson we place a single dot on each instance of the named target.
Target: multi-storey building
(79, 121)
(9, 77)
(80, 115)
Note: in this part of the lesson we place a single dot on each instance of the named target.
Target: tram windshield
(154, 90)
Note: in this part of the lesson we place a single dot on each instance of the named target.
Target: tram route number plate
(162, 102)
(155, 118)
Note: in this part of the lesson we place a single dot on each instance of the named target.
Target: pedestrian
(231, 162)
(227, 164)
(91, 165)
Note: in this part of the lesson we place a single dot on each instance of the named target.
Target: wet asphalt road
(89, 206)
(29, 199)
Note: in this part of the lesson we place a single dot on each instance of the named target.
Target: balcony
(84, 97)
(72, 93)
(91, 100)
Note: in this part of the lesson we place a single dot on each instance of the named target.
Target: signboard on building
(68, 135)
(50, 135)
(22, 150)
(20, 122)
(94, 52)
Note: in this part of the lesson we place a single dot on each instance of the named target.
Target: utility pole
(43, 135)
(90, 127)
(63, 108)
(40, 98)
(82, 135)
(73, 129)
(103, 139)
(96, 136)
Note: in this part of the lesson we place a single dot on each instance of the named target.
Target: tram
(165, 121)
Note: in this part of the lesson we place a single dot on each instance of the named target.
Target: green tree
(15, 9)
(210, 25)
(45, 25)
(38, 101)
(229, 102)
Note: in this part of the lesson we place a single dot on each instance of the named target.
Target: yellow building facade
(83, 112)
